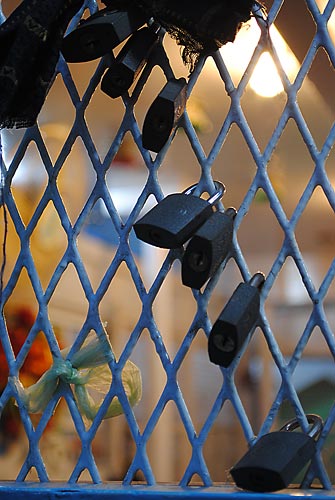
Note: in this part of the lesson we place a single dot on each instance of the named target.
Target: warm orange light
(265, 80)
(322, 4)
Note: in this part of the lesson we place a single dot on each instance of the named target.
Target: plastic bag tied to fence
(87, 371)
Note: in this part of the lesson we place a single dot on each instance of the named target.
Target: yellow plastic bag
(88, 372)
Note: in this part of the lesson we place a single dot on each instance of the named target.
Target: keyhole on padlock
(89, 43)
(118, 81)
(159, 123)
(198, 261)
(257, 479)
(224, 343)
(155, 236)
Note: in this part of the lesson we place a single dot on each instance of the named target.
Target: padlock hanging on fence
(208, 248)
(101, 33)
(130, 61)
(274, 461)
(200, 28)
(236, 322)
(164, 114)
(173, 221)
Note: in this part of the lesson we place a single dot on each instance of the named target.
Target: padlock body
(129, 63)
(117, 80)
(274, 461)
(164, 114)
(136, 51)
(173, 220)
(100, 34)
(207, 250)
(235, 323)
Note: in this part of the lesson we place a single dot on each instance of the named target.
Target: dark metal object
(199, 27)
(30, 40)
(129, 63)
(208, 248)
(236, 322)
(163, 115)
(174, 219)
(277, 457)
(101, 33)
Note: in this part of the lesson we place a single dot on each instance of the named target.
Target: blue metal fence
(125, 254)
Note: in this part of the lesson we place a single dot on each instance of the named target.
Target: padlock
(174, 219)
(129, 62)
(208, 248)
(200, 27)
(277, 457)
(164, 114)
(101, 33)
(236, 322)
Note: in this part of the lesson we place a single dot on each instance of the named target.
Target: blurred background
(260, 237)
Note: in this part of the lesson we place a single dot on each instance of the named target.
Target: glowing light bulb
(265, 80)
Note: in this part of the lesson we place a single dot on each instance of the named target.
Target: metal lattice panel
(125, 257)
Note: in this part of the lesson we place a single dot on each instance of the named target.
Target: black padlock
(272, 463)
(236, 322)
(208, 248)
(129, 62)
(101, 33)
(200, 27)
(172, 222)
(164, 114)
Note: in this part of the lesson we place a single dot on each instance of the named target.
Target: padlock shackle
(220, 190)
(315, 420)
(257, 280)
(231, 212)
(155, 27)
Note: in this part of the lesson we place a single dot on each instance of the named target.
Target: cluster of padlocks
(185, 219)
(273, 462)
(182, 218)
(102, 32)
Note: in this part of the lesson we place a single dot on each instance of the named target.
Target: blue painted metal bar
(85, 491)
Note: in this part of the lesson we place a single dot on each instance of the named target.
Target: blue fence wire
(125, 255)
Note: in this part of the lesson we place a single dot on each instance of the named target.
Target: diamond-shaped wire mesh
(146, 339)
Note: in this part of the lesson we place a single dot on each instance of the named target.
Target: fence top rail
(85, 491)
